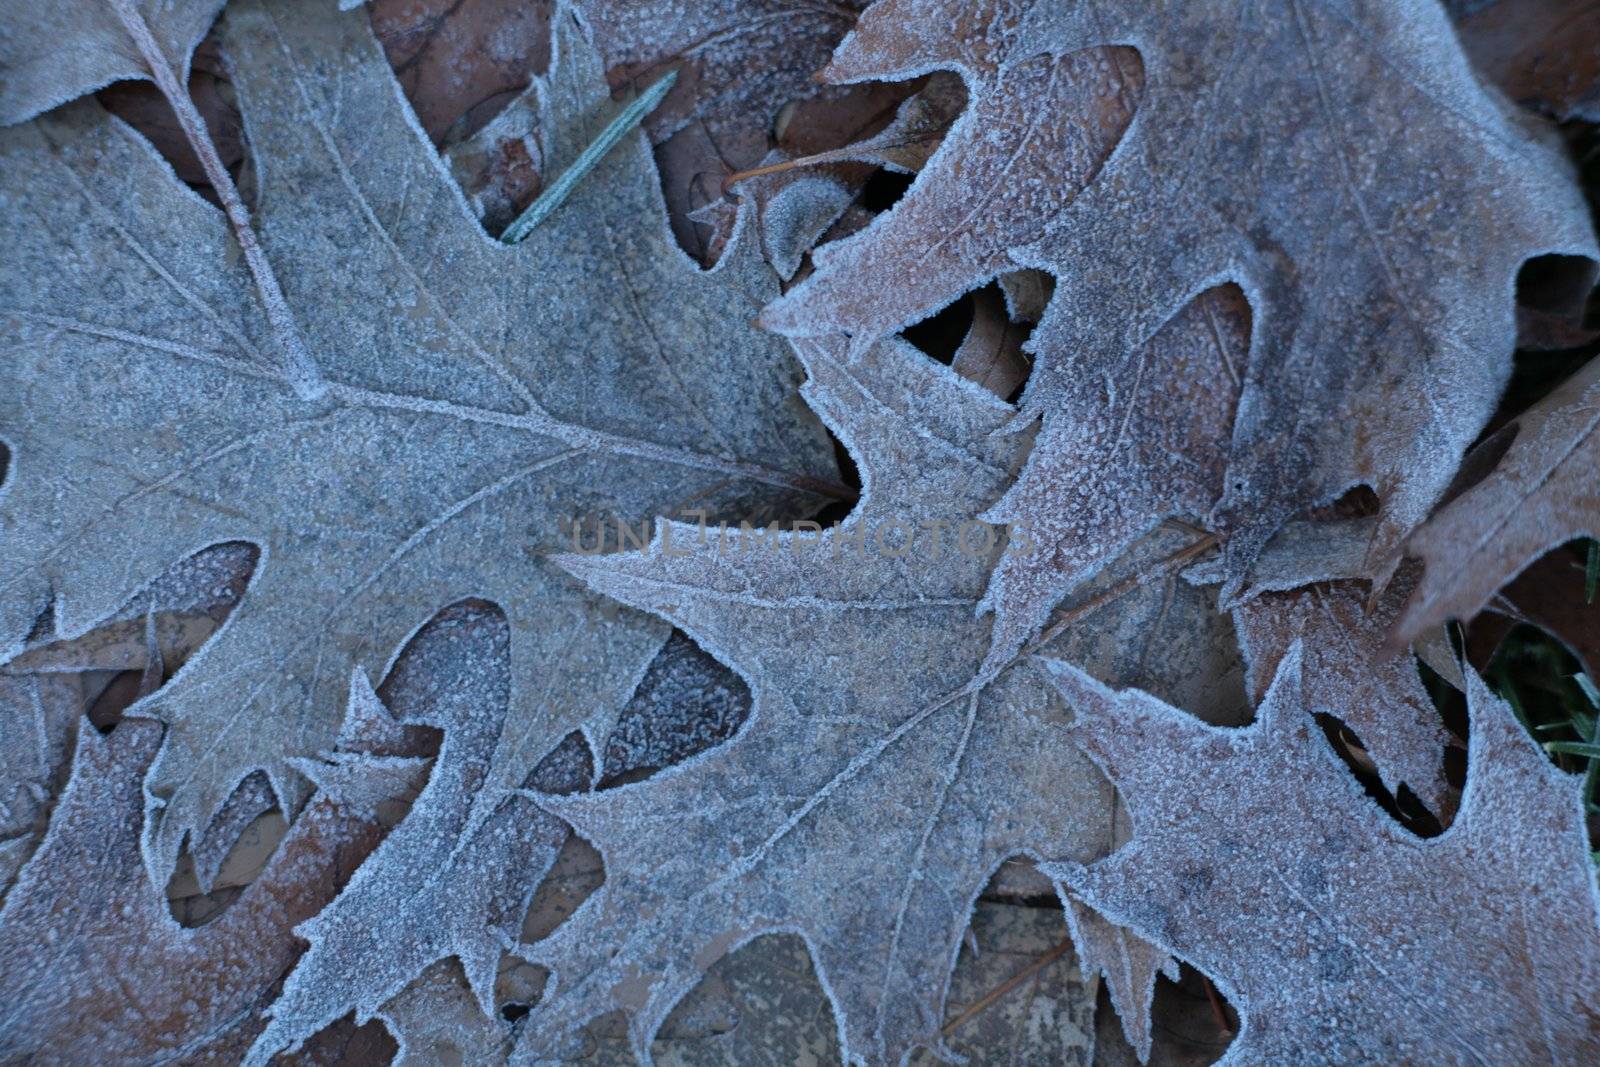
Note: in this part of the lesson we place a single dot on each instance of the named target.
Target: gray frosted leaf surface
(1379, 697)
(1382, 333)
(878, 782)
(481, 399)
(1152, 444)
(55, 52)
(443, 884)
(1338, 935)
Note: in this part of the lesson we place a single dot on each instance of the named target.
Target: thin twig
(300, 369)
(1160, 569)
(982, 1003)
(847, 154)
(831, 156)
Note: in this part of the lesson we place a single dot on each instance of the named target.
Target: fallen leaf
(1552, 595)
(878, 782)
(1346, 675)
(481, 400)
(47, 689)
(1155, 444)
(54, 53)
(93, 969)
(991, 353)
(738, 63)
(1542, 53)
(1541, 493)
(439, 886)
(1339, 936)
(1381, 336)
(686, 703)
(460, 61)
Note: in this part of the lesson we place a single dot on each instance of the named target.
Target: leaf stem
(1160, 569)
(300, 368)
(850, 153)
(982, 1003)
(618, 128)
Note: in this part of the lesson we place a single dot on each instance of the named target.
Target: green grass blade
(1589, 689)
(618, 128)
(1587, 749)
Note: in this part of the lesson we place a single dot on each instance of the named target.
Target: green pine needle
(618, 128)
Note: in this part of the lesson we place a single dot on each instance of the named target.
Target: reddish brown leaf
(1542, 493)
(95, 970)
(1543, 53)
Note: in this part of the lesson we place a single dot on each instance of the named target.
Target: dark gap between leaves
(835, 512)
(106, 710)
(1555, 283)
(1191, 1022)
(884, 189)
(940, 335)
(1404, 807)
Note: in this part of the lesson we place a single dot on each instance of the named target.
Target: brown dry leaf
(991, 354)
(1391, 316)
(93, 968)
(142, 106)
(1339, 936)
(1551, 595)
(1541, 493)
(460, 61)
(1380, 698)
(919, 126)
(1543, 53)
(738, 62)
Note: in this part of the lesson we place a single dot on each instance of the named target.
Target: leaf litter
(833, 851)
(368, 519)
